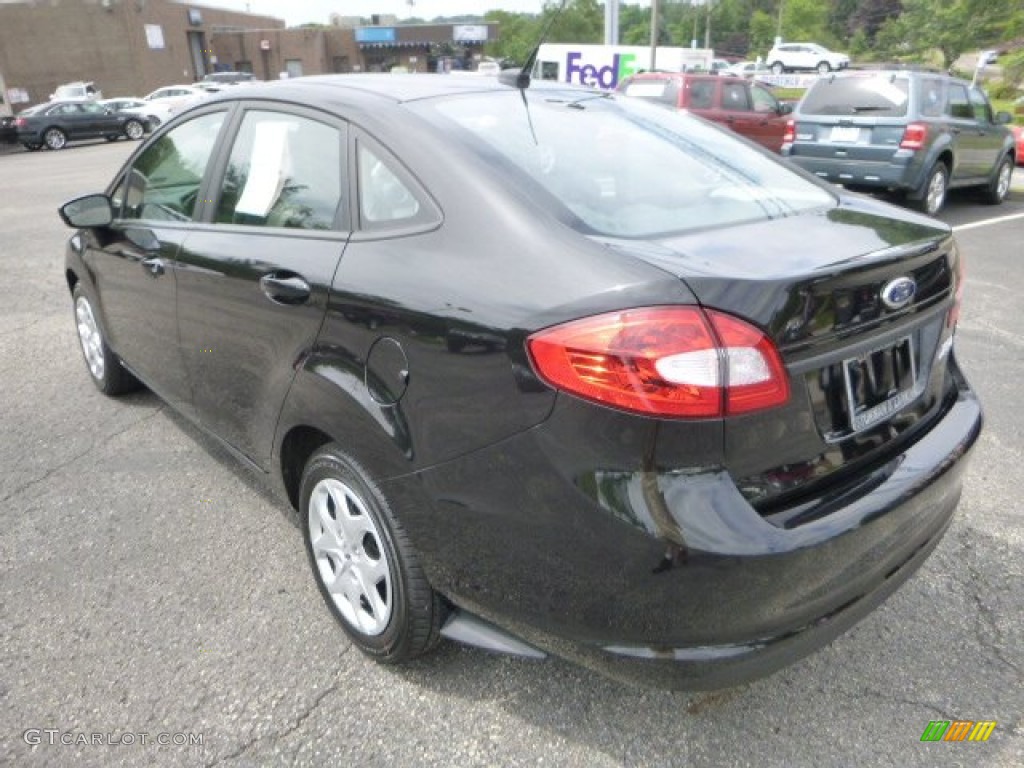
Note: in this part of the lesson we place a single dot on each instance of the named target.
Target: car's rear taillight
(20, 122)
(676, 362)
(790, 134)
(914, 136)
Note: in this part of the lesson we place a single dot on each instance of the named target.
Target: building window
(293, 67)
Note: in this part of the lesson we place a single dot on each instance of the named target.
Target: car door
(154, 202)
(73, 120)
(736, 110)
(101, 122)
(253, 282)
(769, 123)
(991, 137)
(968, 140)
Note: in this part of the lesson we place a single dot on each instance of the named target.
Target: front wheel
(134, 130)
(999, 187)
(824, 67)
(778, 68)
(364, 565)
(105, 369)
(935, 187)
(55, 138)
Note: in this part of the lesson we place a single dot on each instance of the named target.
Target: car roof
(687, 75)
(396, 88)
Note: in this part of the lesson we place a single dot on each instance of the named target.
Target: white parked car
(747, 69)
(77, 90)
(789, 57)
(178, 97)
(155, 112)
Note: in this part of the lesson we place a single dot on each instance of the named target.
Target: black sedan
(54, 124)
(542, 369)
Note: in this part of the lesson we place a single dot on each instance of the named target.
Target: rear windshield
(868, 95)
(623, 167)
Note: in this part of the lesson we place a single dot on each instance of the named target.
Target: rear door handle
(154, 266)
(285, 288)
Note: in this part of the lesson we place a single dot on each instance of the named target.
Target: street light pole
(654, 35)
(707, 26)
(778, 26)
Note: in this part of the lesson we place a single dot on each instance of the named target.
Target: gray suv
(915, 132)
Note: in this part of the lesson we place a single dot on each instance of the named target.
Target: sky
(296, 12)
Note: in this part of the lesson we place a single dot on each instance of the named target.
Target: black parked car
(550, 371)
(919, 133)
(56, 123)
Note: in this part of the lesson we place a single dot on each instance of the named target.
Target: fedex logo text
(623, 65)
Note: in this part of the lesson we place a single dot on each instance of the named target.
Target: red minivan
(746, 107)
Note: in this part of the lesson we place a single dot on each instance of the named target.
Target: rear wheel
(935, 187)
(364, 565)
(55, 138)
(778, 68)
(999, 187)
(105, 369)
(134, 130)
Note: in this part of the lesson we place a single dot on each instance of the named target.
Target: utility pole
(654, 35)
(611, 22)
(707, 26)
(778, 26)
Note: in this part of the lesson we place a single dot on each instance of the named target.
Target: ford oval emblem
(897, 293)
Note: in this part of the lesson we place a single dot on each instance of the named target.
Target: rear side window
(933, 98)
(284, 171)
(702, 94)
(868, 95)
(164, 182)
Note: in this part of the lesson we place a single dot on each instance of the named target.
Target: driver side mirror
(785, 108)
(87, 212)
(1003, 118)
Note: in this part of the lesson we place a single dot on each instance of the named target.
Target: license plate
(880, 383)
(845, 133)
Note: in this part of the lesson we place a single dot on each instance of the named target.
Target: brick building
(128, 47)
(309, 51)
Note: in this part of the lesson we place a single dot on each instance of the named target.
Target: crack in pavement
(867, 693)
(986, 615)
(78, 456)
(277, 737)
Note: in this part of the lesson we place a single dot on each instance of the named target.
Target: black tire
(134, 130)
(934, 190)
(999, 187)
(109, 376)
(335, 487)
(54, 138)
(778, 68)
(31, 146)
(823, 67)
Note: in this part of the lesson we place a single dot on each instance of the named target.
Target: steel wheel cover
(350, 556)
(134, 131)
(92, 340)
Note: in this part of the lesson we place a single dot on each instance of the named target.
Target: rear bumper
(671, 578)
(900, 173)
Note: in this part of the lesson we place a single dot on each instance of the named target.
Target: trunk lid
(866, 353)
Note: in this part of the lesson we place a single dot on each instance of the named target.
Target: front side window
(980, 106)
(284, 171)
(164, 182)
(763, 101)
(621, 167)
(959, 107)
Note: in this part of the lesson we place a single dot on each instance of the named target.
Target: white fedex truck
(605, 66)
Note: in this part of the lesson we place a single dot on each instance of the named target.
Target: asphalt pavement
(153, 591)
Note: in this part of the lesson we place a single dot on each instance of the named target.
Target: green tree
(517, 35)
(949, 26)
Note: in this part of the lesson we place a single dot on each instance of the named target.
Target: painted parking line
(987, 222)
